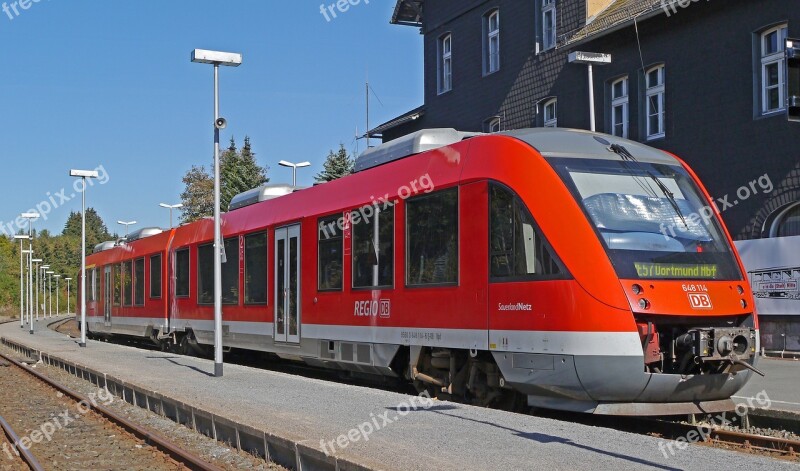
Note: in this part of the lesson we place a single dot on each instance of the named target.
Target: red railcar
(581, 271)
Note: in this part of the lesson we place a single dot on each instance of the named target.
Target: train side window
(127, 283)
(138, 277)
(93, 291)
(330, 249)
(182, 273)
(373, 247)
(432, 238)
(116, 269)
(230, 273)
(517, 249)
(255, 268)
(155, 276)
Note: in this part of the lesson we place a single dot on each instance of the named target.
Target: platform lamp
(58, 293)
(68, 281)
(50, 274)
(31, 216)
(217, 58)
(171, 207)
(21, 239)
(294, 168)
(83, 175)
(126, 224)
(590, 59)
(35, 265)
(43, 286)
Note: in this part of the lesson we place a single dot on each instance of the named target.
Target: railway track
(48, 423)
(666, 429)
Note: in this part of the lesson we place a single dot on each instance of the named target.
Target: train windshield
(652, 219)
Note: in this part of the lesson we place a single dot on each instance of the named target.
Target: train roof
(577, 143)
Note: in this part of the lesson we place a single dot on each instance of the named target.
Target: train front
(691, 304)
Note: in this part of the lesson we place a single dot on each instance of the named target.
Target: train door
(107, 295)
(287, 284)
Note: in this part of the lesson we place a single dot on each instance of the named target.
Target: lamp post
(58, 293)
(43, 283)
(171, 207)
(31, 216)
(590, 59)
(294, 168)
(36, 262)
(217, 58)
(21, 238)
(83, 175)
(49, 294)
(126, 224)
(68, 281)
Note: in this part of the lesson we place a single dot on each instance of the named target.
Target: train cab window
(330, 246)
(432, 238)
(155, 276)
(182, 273)
(373, 247)
(230, 273)
(127, 283)
(255, 268)
(138, 277)
(517, 250)
(116, 269)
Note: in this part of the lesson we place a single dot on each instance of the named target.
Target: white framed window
(773, 71)
(445, 63)
(551, 113)
(491, 45)
(619, 107)
(548, 24)
(654, 99)
(494, 125)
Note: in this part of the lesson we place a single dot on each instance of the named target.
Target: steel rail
(188, 459)
(24, 453)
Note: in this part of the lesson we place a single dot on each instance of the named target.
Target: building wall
(711, 74)
(712, 118)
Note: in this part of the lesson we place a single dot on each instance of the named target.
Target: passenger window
(127, 283)
(330, 253)
(138, 291)
(230, 273)
(373, 247)
(116, 269)
(517, 249)
(432, 238)
(255, 268)
(155, 276)
(182, 273)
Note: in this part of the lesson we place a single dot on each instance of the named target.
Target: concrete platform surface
(779, 389)
(306, 412)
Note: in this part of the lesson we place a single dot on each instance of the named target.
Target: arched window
(654, 81)
(788, 223)
(551, 113)
(445, 63)
(491, 42)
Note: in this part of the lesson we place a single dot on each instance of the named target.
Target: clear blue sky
(85, 83)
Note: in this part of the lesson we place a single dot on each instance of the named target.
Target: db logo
(700, 301)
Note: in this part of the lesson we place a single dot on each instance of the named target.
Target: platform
(781, 386)
(288, 417)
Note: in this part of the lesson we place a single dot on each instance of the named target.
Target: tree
(337, 165)
(239, 172)
(198, 195)
(96, 230)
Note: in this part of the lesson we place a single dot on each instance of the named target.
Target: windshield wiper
(627, 156)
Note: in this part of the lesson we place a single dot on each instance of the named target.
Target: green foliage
(62, 252)
(239, 172)
(337, 165)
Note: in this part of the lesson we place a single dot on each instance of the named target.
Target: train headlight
(740, 289)
(744, 303)
(644, 304)
(637, 289)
